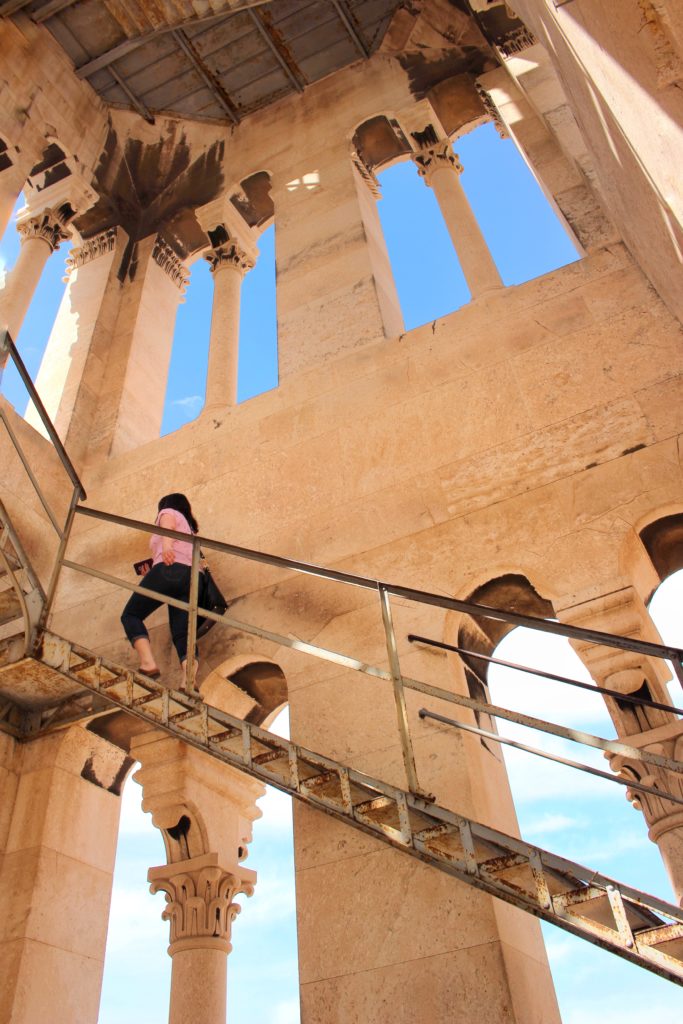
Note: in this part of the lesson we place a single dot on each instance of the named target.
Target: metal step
(638, 927)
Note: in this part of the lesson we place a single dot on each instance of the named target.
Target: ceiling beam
(345, 18)
(137, 103)
(207, 76)
(128, 45)
(283, 58)
(50, 9)
(12, 7)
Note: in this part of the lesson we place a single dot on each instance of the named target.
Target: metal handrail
(7, 345)
(593, 636)
(629, 698)
(384, 591)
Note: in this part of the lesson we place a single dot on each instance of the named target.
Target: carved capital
(199, 901)
(229, 254)
(91, 250)
(435, 157)
(171, 264)
(661, 814)
(50, 225)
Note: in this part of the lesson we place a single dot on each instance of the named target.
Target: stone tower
(522, 451)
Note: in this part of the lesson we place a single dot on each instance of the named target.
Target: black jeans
(172, 581)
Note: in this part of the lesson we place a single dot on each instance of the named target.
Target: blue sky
(585, 819)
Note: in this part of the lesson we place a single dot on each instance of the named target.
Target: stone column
(441, 169)
(62, 377)
(41, 235)
(624, 614)
(12, 181)
(229, 263)
(59, 815)
(200, 910)
(205, 811)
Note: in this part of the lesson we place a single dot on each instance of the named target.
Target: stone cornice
(91, 250)
(171, 264)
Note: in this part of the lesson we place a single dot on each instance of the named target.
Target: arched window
(40, 319)
(524, 235)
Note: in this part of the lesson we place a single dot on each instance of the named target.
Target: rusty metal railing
(385, 592)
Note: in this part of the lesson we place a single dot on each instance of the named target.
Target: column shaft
(221, 382)
(440, 168)
(22, 283)
(229, 263)
(199, 980)
(11, 183)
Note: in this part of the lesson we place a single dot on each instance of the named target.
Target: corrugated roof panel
(310, 35)
(255, 93)
(324, 62)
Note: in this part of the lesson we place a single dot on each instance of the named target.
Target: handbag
(210, 599)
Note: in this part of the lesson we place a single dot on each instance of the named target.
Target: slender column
(200, 910)
(40, 237)
(229, 263)
(11, 183)
(624, 614)
(205, 811)
(441, 169)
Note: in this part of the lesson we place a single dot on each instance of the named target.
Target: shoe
(151, 673)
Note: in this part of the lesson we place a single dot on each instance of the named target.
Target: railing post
(192, 618)
(399, 693)
(59, 557)
(5, 349)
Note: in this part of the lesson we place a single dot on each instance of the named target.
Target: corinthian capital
(229, 254)
(199, 901)
(434, 157)
(50, 225)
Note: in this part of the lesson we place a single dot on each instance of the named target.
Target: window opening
(190, 353)
(257, 359)
(523, 233)
(37, 326)
(571, 813)
(257, 369)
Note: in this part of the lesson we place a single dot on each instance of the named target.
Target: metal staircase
(637, 927)
(55, 681)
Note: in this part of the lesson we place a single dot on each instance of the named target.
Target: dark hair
(180, 503)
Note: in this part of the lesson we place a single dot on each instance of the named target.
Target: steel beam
(344, 16)
(129, 45)
(209, 79)
(295, 77)
(144, 111)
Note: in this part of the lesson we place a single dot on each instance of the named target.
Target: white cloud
(287, 1013)
(277, 813)
(190, 402)
(550, 823)
(272, 901)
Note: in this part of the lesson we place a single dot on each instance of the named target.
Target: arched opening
(501, 191)
(663, 542)
(42, 312)
(257, 369)
(558, 808)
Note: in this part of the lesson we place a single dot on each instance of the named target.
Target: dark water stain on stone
(156, 187)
